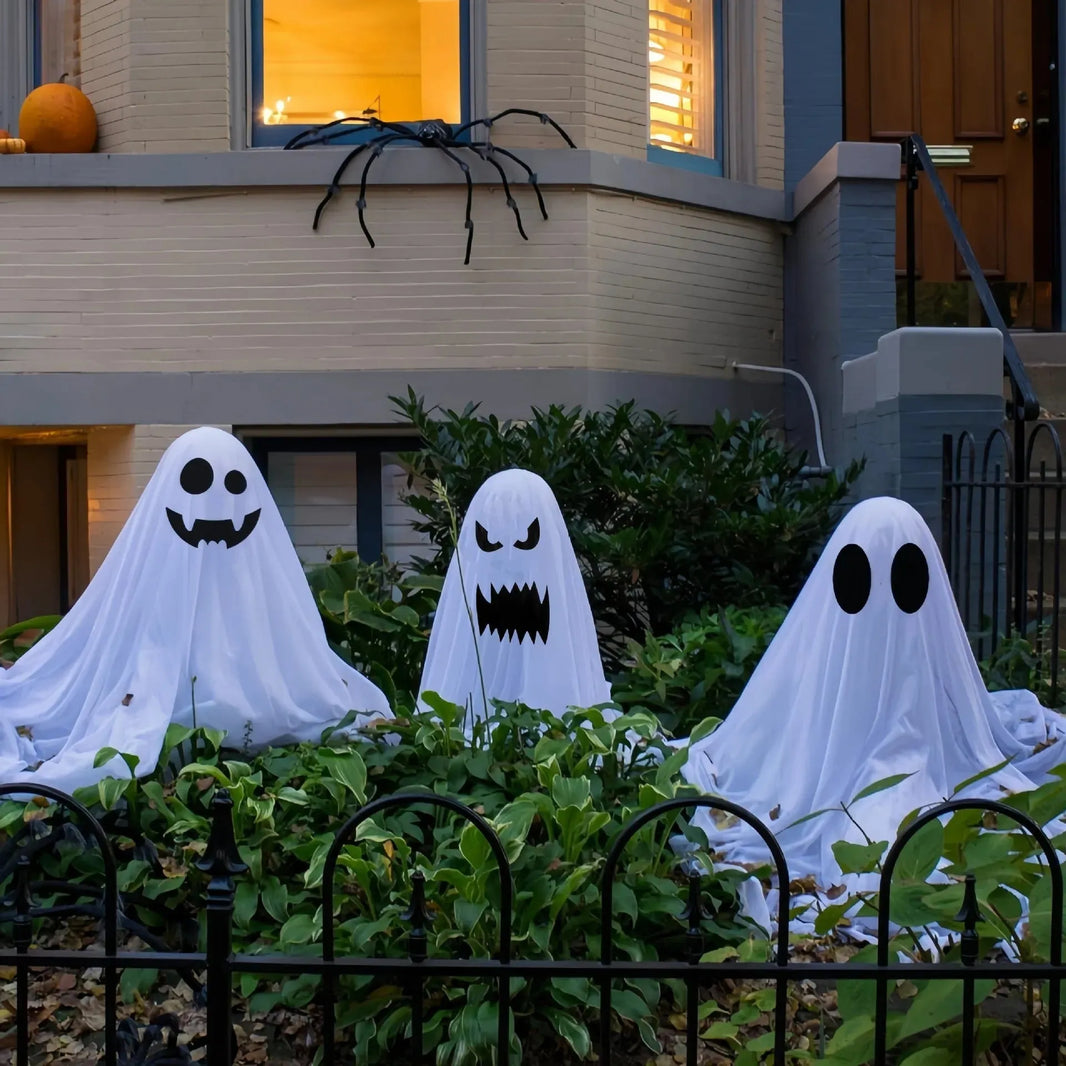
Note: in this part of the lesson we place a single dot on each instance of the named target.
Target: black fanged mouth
(207, 530)
(518, 610)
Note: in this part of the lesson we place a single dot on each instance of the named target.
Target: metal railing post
(221, 861)
(912, 265)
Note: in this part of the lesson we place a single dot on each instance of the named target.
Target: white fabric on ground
(514, 622)
(200, 614)
(870, 675)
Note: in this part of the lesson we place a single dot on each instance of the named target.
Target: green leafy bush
(377, 618)
(557, 791)
(17, 639)
(664, 521)
(700, 669)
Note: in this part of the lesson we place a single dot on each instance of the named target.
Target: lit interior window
(396, 60)
(680, 82)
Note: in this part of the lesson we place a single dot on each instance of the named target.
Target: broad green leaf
(937, 1003)
(880, 786)
(859, 858)
(922, 853)
(574, 1032)
(350, 770)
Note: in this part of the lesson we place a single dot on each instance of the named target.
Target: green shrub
(377, 619)
(700, 669)
(557, 792)
(17, 639)
(663, 521)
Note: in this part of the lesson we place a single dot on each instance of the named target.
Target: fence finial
(418, 916)
(969, 914)
(221, 859)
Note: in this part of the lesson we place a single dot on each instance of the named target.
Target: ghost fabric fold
(514, 622)
(871, 675)
(199, 615)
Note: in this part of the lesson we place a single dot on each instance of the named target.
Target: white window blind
(681, 75)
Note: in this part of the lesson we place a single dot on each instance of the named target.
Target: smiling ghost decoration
(513, 597)
(870, 675)
(202, 583)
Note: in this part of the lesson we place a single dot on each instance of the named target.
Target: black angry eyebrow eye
(483, 541)
(852, 579)
(532, 536)
(910, 578)
(196, 476)
(235, 482)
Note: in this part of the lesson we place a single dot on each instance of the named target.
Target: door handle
(1020, 126)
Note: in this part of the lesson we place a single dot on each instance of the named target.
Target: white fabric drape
(178, 626)
(846, 696)
(513, 597)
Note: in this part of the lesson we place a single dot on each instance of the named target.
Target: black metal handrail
(1024, 405)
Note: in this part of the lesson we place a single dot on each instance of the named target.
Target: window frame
(369, 511)
(704, 164)
(261, 135)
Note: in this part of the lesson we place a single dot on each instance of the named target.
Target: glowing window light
(680, 75)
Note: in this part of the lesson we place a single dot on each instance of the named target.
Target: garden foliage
(664, 521)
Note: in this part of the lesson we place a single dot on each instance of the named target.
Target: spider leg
(335, 184)
(495, 150)
(545, 120)
(485, 150)
(379, 146)
(469, 223)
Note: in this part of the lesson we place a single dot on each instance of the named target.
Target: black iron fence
(219, 968)
(1002, 541)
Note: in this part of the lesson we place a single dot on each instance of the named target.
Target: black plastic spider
(432, 134)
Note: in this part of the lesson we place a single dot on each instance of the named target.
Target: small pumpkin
(11, 145)
(57, 117)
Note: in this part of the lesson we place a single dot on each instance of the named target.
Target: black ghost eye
(483, 541)
(236, 482)
(910, 578)
(532, 536)
(196, 476)
(851, 579)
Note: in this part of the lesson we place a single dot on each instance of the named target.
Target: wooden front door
(960, 73)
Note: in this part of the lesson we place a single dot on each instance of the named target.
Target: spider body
(433, 133)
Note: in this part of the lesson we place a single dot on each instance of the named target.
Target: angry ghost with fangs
(514, 599)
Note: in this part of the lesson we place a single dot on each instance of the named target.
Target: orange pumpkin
(4, 134)
(11, 145)
(57, 118)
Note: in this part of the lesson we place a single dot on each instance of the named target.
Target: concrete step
(1044, 356)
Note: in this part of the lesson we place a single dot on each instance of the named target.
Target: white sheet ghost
(513, 597)
(202, 583)
(870, 675)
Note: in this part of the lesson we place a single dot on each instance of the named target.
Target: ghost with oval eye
(870, 675)
(200, 614)
(513, 598)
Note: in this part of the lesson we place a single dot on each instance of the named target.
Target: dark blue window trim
(369, 534)
(702, 164)
(264, 136)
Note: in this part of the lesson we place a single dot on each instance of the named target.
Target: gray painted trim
(478, 85)
(264, 167)
(349, 397)
(16, 61)
(854, 160)
(240, 82)
(738, 63)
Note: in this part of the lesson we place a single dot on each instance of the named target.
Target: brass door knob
(1020, 126)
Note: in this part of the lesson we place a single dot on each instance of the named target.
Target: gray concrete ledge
(925, 361)
(846, 161)
(355, 397)
(272, 167)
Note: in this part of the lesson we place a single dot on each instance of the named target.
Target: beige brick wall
(157, 73)
(683, 290)
(585, 64)
(120, 461)
(770, 90)
(139, 280)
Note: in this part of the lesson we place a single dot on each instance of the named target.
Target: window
(57, 41)
(683, 114)
(317, 60)
(340, 492)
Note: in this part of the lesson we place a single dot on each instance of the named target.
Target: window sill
(313, 167)
(696, 164)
